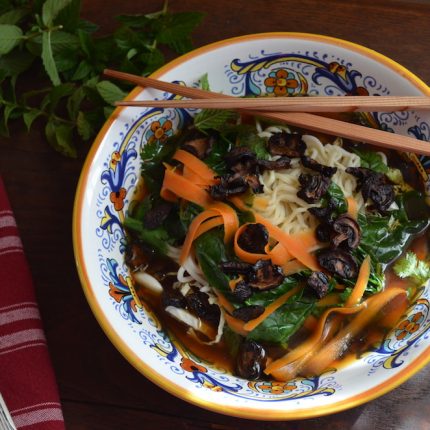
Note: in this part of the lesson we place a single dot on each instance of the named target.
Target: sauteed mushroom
(248, 313)
(198, 144)
(198, 302)
(313, 187)
(346, 232)
(242, 291)
(310, 163)
(230, 185)
(338, 262)
(279, 164)
(251, 359)
(265, 275)
(287, 144)
(254, 238)
(156, 216)
(318, 282)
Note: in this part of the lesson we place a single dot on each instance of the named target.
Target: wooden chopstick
(295, 104)
(303, 120)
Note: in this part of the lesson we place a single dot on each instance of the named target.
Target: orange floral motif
(190, 366)
(409, 326)
(117, 198)
(159, 130)
(277, 387)
(281, 83)
(118, 292)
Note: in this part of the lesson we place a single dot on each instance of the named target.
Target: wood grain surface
(99, 388)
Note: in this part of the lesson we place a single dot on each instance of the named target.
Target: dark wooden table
(99, 388)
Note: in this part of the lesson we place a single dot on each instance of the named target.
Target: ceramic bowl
(317, 65)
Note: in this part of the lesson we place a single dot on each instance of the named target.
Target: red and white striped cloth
(27, 381)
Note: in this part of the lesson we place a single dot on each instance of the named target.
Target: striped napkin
(27, 381)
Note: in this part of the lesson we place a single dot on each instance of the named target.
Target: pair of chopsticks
(297, 110)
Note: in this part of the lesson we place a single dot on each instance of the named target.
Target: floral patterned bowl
(278, 63)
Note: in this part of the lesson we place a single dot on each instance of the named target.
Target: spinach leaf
(335, 194)
(371, 160)
(385, 238)
(153, 155)
(220, 148)
(211, 251)
(285, 321)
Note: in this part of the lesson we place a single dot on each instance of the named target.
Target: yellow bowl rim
(129, 354)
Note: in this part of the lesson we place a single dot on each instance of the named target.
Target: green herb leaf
(48, 58)
(10, 36)
(13, 16)
(84, 126)
(110, 92)
(16, 62)
(51, 8)
(204, 82)
(410, 267)
(371, 160)
(30, 116)
(214, 119)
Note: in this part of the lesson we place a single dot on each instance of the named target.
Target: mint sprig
(48, 44)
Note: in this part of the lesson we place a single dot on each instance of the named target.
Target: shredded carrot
(361, 284)
(352, 207)
(224, 302)
(192, 230)
(337, 345)
(312, 342)
(329, 300)
(185, 189)
(260, 203)
(292, 245)
(233, 282)
(248, 257)
(310, 322)
(194, 164)
(209, 225)
(250, 325)
(196, 179)
(224, 214)
(236, 325)
(292, 266)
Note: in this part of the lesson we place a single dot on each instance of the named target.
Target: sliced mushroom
(251, 359)
(198, 302)
(346, 232)
(241, 160)
(236, 268)
(374, 186)
(312, 164)
(325, 213)
(279, 164)
(318, 282)
(323, 232)
(198, 144)
(248, 313)
(242, 291)
(338, 262)
(287, 144)
(173, 297)
(254, 238)
(157, 215)
(265, 275)
(313, 187)
(229, 185)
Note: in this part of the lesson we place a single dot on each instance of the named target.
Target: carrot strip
(361, 284)
(352, 207)
(221, 211)
(194, 164)
(312, 342)
(208, 225)
(236, 325)
(292, 266)
(224, 302)
(293, 246)
(192, 230)
(233, 282)
(185, 189)
(337, 345)
(248, 257)
(329, 300)
(195, 178)
(250, 325)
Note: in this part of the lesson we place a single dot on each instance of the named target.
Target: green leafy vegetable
(278, 327)
(371, 160)
(49, 38)
(410, 267)
(335, 194)
(214, 119)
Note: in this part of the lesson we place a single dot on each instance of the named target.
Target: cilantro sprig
(410, 267)
(51, 61)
